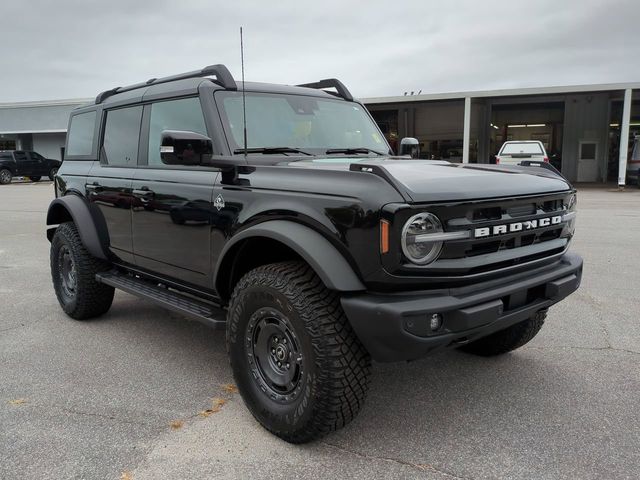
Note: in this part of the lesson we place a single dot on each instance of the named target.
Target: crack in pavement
(108, 417)
(423, 467)
(14, 327)
(595, 349)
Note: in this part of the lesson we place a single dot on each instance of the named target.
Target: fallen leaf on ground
(176, 424)
(216, 405)
(18, 401)
(126, 476)
(230, 388)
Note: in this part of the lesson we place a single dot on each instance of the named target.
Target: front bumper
(396, 327)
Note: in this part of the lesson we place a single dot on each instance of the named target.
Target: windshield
(310, 124)
(526, 148)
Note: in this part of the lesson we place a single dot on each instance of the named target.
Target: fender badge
(219, 202)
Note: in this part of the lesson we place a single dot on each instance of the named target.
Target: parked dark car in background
(26, 163)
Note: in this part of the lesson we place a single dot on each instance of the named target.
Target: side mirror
(179, 147)
(409, 146)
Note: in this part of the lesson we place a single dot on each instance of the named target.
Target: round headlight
(416, 245)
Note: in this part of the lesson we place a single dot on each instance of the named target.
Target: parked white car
(515, 151)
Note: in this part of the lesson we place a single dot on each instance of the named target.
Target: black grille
(475, 255)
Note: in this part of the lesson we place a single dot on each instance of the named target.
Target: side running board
(204, 312)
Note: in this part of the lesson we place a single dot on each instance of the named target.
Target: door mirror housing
(178, 147)
(409, 146)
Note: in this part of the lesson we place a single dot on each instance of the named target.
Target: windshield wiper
(352, 151)
(272, 150)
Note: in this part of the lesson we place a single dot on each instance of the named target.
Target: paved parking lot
(97, 399)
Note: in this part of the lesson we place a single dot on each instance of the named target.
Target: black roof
(190, 81)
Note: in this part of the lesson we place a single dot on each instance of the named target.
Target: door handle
(94, 188)
(143, 193)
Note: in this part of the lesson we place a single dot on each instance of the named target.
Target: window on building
(121, 136)
(184, 114)
(80, 137)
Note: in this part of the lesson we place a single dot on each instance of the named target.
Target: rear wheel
(299, 366)
(73, 271)
(5, 176)
(508, 339)
(35, 179)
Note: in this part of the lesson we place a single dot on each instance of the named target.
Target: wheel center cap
(281, 352)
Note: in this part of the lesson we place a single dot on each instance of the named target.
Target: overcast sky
(71, 49)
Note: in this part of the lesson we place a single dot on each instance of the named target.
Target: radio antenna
(244, 106)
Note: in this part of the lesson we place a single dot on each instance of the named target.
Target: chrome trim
(441, 237)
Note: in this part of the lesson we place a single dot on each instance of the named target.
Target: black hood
(422, 181)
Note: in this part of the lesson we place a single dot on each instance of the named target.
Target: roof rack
(222, 74)
(331, 83)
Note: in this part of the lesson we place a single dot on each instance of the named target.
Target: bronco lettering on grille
(517, 227)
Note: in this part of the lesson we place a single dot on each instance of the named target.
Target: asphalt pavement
(142, 393)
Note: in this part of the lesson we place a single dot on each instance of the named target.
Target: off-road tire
(508, 339)
(89, 298)
(52, 173)
(35, 179)
(335, 365)
(5, 176)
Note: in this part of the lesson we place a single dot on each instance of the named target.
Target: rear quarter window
(526, 148)
(81, 133)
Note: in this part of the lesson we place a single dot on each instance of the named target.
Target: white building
(587, 129)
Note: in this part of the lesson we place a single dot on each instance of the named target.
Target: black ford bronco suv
(279, 213)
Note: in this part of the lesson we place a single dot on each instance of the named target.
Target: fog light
(435, 322)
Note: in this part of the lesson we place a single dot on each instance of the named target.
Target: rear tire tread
(92, 298)
(508, 339)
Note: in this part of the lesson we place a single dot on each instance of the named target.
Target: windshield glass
(527, 148)
(307, 123)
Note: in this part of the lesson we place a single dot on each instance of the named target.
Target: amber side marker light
(384, 236)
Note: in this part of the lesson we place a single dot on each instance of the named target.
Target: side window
(121, 136)
(20, 156)
(184, 114)
(80, 137)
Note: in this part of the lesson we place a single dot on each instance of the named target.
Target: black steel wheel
(52, 173)
(274, 354)
(300, 368)
(5, 176)
(73, 272)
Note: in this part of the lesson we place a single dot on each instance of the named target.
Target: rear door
(109, 181)
(39, 164)
(172, 212)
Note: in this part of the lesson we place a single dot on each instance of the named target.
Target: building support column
(624, 139)
(466, 135)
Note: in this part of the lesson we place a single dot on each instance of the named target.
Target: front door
(24, 165)
(587, 161)
(172, 212)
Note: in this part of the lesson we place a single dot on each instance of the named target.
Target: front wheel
(35, 179)
(52, 173)
(73, 271)
(508, 339)
(5, 176)
(299, 366)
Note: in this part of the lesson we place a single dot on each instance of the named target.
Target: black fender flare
(88, 220)
(325, 259)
